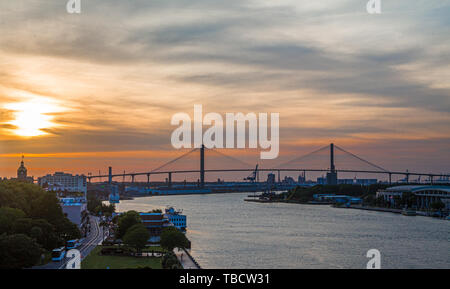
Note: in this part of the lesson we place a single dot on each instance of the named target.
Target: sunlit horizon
(100, 89)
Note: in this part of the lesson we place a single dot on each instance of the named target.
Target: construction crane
(254, 176)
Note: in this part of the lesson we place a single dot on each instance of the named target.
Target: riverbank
(185, 259)
(377, 209)
(390, 210)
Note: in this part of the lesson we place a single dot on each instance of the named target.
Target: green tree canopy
(126, 221)
(67, 230)
(36, 233)
(19, 195)
(22, 226)
(92, 203)
(47, 207)
(28, 210)
(172, 238)
(18, 251)
(136, 237)
(7, 217)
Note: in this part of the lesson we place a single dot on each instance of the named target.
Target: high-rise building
(64, 182)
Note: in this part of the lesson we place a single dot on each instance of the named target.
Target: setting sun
(32, 117)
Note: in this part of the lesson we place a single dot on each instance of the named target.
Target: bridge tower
(113, 190)
(202, 166)
(332, 175)
(109, 175)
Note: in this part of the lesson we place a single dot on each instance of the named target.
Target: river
(227, 232)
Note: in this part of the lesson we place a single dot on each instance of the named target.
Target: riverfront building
(64, 182)
(155, 222)
(75, 209)
(176, 218)
(336, 199)
(425, 195)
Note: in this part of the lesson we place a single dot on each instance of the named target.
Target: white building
(64, 182)
(425, 195)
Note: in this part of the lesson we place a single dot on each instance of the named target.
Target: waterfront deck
(186, 260)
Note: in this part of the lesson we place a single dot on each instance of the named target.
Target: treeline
(32, 223)
(96, 207)
(305, 194)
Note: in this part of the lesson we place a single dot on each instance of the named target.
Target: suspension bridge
(296, 165)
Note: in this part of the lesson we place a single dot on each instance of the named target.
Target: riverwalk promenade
(186, 260)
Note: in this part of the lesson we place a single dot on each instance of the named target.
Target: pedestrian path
(185, 259)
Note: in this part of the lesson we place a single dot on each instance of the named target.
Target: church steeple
(22, 171)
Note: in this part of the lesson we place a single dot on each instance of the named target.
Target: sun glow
(33, 116)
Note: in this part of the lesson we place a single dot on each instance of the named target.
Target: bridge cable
(361, 159)
(302, 157)
(174, 160)
(231, 158)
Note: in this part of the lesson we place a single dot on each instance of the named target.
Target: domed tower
(22, 171)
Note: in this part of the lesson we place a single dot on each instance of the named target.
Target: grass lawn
(97, 261)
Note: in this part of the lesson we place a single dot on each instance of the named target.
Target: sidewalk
(185, 260)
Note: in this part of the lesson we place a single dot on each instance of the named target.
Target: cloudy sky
(79, 92)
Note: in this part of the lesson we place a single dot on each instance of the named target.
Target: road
(91, 241)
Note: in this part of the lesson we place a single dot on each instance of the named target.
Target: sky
(81, 92)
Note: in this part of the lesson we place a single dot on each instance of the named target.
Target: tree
(48, 239)
(36, 233)
(126, 221)
(18, 251)
(172, 238)
(170, 261)
(7, 217)
(47, 207)
(136, 237)
(92, 203)
(28, 209)
(67, 230)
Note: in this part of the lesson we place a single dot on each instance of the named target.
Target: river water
(227, 232)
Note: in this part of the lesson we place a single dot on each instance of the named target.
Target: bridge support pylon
(109, 175)
(202, 166)
(332, 175)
